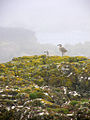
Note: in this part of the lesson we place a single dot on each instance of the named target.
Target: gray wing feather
(62, 49)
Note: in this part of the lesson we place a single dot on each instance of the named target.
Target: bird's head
(60, 45)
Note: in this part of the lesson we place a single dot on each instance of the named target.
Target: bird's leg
(62, 54)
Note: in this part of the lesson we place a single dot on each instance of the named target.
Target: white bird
(47, 53)
(62, 49)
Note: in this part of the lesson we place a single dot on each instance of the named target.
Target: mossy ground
(45, 87)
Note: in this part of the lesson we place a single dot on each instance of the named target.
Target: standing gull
(62, 49)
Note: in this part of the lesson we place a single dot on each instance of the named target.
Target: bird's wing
(63, 49)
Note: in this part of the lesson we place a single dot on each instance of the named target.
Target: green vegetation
(45, 87)
(74, 102)
(36, 95)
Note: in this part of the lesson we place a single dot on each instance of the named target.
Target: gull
(62, 49)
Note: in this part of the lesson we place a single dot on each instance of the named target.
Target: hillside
(16, 42)
(45, 88)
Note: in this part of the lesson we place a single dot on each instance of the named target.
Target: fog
(52, 22)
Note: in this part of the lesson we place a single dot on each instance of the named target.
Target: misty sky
(54, 21)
